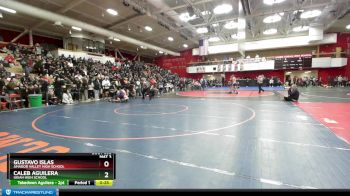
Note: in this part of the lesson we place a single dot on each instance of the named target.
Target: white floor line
(324, 96)
(288, 122)
(91, 145)
(102, 121)
(281, 111)
(67, 117)
(337, 128)
(198, 115)
(302, 144)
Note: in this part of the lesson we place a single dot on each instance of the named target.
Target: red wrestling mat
(333, 115)
(222, 93)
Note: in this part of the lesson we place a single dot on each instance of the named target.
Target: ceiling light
(148, 28)
(214, 39)
(215, 25)
(223, 9)
(185, 46)
(241, 24)
(112, 12)
(298, 11)
(202, 30)
(204, 13)
(234, 36)
(116, 39)
(300, 28)
(310, 14)
(186, 17)
(76, 28)
(8, 10)
(270, 31)
(143, 47)
(241, 35)
(171, 39)
(161, 52)
(231, 25)
(271, 2)
(272, 19)
(348, 27)
(1, 15)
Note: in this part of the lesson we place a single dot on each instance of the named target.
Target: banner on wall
(235, 67)
(328, 62)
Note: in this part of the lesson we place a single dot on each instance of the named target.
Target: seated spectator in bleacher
(4, 50)
(293, 94)
(11, 86)
(38, 49)
(2, 85)
(9, 60)
(67, 97)
(49, 55)
(53, 100)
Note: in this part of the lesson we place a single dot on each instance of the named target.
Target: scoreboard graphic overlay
(72, 169)
(293, 61)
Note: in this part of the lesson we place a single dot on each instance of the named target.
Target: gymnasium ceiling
(163, 16)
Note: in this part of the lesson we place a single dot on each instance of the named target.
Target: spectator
(271, 82)
(2, 85)
(339, 81)
(67, 97)
(9, 60)
(106, 85)
(97, 89)
(260, 81)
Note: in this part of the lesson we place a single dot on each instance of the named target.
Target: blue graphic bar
(29, 192)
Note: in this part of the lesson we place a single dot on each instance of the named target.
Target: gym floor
(196, 140)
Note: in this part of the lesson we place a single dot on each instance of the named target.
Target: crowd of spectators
(69, 79)
(336, 81)
(339, 81)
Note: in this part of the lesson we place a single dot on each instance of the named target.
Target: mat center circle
(151, 109)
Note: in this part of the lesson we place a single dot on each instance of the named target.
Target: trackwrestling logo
(15, 192)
